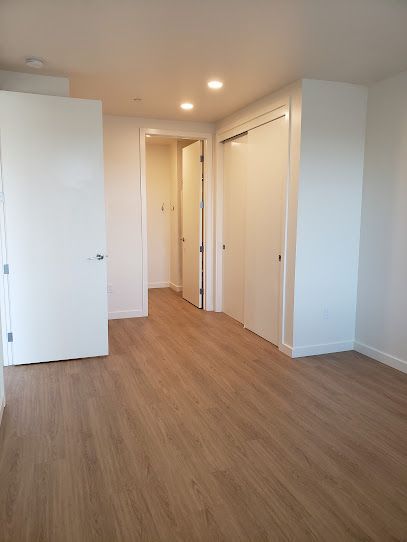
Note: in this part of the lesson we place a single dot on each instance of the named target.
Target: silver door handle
(98, 257)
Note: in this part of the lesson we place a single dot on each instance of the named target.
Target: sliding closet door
(234, 221)
(267, 166)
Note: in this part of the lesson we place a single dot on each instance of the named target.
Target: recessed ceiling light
(216, 85)
(187, 106)
(148, 135)
(34, 62)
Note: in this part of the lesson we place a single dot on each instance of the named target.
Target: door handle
(98, 257)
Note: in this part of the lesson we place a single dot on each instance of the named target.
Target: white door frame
(272, 112)
(207, 138)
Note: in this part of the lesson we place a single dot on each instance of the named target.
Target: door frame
(208, 230)
(272, 112)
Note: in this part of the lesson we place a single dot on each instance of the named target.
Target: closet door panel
(234, 224)
(268, 168)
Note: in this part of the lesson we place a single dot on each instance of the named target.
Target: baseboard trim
(318, 349)
(158, 285)
(378, 355)
(116, 315)
(175, 287)
(286, 349)
(2, 407)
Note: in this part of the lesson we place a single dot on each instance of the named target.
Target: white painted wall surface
(328, 219)
(323, 205)
(159, 167)
(382, 291)
(123, 201)
(34, 83)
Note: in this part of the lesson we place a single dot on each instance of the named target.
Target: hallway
(196, 429)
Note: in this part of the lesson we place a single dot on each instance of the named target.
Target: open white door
(52, 178)
(267, 167)
(192, 215)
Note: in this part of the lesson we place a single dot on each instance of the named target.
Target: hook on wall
(162, 207)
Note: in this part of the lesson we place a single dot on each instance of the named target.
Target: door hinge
(6, 269)
(201, 158)
(201, 204)
(10, 338)
(201, 291)
(201, 248)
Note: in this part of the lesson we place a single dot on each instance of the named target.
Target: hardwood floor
(195, 429)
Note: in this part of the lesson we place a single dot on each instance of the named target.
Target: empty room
(203, 224)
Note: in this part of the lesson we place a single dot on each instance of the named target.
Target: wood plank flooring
(195, 429)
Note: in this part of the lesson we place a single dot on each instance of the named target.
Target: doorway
(175, 179)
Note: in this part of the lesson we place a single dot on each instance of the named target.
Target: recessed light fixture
(34, 62)
(148, 135)
(187, 106)
(216, 85)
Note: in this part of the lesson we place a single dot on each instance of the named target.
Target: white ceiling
(165, 51)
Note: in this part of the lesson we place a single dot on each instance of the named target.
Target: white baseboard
(286, 349)
(318, 349)
(175, 287)
(158, 285)
(378, 355)
(116, 315)
(2, 406)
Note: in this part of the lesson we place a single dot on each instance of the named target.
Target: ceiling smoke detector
(34, 62)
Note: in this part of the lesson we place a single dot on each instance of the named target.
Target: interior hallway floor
(195, 429)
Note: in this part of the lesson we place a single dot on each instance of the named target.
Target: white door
(192, 195)
(52, 177)
(234, 225)
(268, 167)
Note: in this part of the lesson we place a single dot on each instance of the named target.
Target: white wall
(123, 216)
(123, 195)
(34, 83)
(328, 216)
(323, 203)
(382, 291)
(159, 169)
